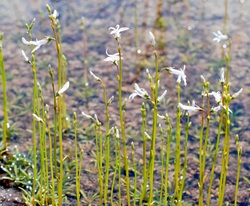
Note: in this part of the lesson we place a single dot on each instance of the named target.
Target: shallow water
(187, 39)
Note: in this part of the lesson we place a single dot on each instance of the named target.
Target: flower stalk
(5, 99)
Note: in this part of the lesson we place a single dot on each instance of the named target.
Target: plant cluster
(44, 178)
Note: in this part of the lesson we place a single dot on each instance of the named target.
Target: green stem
(60, 130)
(122, 125)
(239, 152)
(77, 167)
(117, 162)
(225, 158)
(201, 156)
(154, 130)
(51, 73)
(178, 145)
(169, 130)
(99, 158)
(107, 144)
(214, 162)
(5, 100)
(143, 129)
(135, 172)
(185, 159)
(51, 162)
(35, 102)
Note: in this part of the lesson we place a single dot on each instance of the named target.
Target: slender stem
(60, 130)
(135, 172)
(154, 130)
(201, 156)
(77, 167)
(143, 129)
(169, 131)
(178, 145)
(51, 162)
(35, 102)
(41, 139)
(5, 100)
(185, 159)
(162, 165)
(117, 162)
(99, 158)
(239, 152)
(214, 162)
(225, 158)
(122, 125)
(204, 150)
(51, 73)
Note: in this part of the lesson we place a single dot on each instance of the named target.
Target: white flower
(39, 119)
(55, 14)
(162, 96)
(139, 92)
(219, 36)
(147, 135)
(203, 79)
(63, 89)
(190, 109)
(25, 57)
(162, 116)
(180, 73)
(114, 58)
(216, 109)
(110, 100)
(96, 119)
(152, 39)
(222, 78)
(116, 31)
(87, 116)
(235, 95)
(224, 107)
(116, 132)
(37, 43)
(217, 96)
(95, 77)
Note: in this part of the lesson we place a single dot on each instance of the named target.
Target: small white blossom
(25, 57)
(39, 119)
(162, 116)
(152, 39)
(147, 135)
(190, 109)
(180, 73)
(222, 77)
(63, 89)
(235, 95)
(116, 132)
(203, 79)
(110, 100)
(96, 119)
(219, 36)
(114, 58)
(162, 96)
(116, 31)
(95, 77)
(149, 75)
(139, 92)
(224, 107)
(86, 115)
(216, 109)
(37, 43)
(55, 14)
(217, 96)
